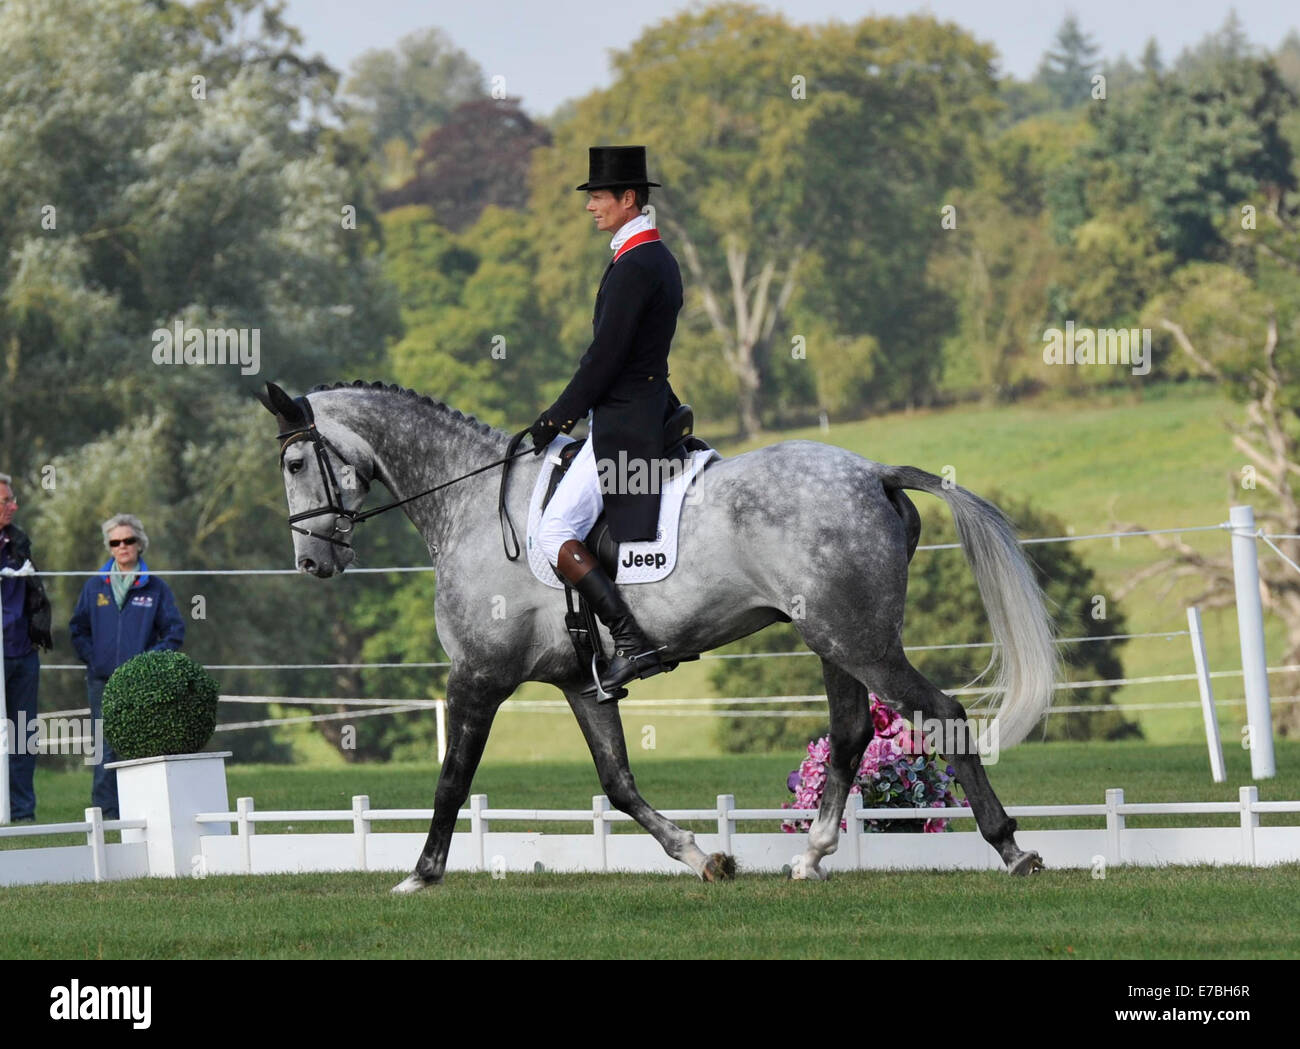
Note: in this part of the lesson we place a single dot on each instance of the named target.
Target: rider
(622, 385)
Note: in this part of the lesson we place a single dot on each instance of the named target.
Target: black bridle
(334, 493)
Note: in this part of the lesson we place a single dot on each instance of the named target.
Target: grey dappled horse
(794, 527)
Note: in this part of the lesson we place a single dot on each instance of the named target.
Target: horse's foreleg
(851, 730)
(602, 727)
(471, 706)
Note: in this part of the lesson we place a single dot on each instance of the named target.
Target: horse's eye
(294, 465)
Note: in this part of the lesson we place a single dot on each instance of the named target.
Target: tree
(1000, 264)
(783, 150)
(944, 607)
(165, 166)
(478, 334)
(479, 157)
(1067, 71)
(1226, 45)
(211, 212)
(1238, 324)
(1186, 151)
(400, 95)
(1022, 99)
(1152, 64)
(1287, 60)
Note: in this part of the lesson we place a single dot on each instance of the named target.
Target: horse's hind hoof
(719, 867)
(1028, 863)
(413, 883)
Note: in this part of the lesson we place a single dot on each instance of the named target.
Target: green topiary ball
(159, 703)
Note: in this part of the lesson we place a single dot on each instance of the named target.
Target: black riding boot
(634, 655)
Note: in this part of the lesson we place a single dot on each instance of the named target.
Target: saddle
(680, 443)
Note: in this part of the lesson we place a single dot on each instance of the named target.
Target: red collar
(644, 237)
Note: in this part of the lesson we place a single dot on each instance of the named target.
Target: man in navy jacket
(622, 380)
(121, 613)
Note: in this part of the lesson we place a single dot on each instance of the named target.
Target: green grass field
(1132, 913)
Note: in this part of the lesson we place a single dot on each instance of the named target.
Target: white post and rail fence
(178, 822)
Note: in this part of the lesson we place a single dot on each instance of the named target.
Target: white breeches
(574, 507)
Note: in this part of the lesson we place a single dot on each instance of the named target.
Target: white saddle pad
(645, 562)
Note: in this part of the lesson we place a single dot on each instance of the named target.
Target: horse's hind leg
(603, 729)
(908, 690)
(851, 731)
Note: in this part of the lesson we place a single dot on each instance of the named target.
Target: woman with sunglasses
(121, 613)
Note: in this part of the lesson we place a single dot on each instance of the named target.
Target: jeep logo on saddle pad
(646, 562)
(632, 560)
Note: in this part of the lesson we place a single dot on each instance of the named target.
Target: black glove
(41, 638)
(542, 432)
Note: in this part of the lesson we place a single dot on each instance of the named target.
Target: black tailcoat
(623, 376)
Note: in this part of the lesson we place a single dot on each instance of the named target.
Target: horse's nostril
(307, 565)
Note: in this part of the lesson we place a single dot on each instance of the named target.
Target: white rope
(1278, 552)
(430, 568)
(300, 701)
(303, 719)
(1095, 535)
(1167, 635)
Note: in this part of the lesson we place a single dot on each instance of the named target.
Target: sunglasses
(123, 542)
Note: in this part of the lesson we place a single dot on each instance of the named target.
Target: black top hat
(617, 166)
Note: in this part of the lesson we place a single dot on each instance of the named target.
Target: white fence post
(1250, 627)
(360, 827)
(1114, 825)
(1249, 821)
(600, 828)
(478, 828)
(95, 839)
(244, 809)
(852, 806)
(1208, 712)
(726, 825)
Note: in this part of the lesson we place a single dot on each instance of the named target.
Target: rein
(333, 492)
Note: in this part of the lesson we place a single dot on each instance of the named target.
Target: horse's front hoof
(802, 870)
(1027, 864)
(414, 883)
(719, 867)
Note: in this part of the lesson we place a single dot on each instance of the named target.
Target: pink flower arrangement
(896, 772)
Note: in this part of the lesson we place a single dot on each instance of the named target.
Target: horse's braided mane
(420, 398)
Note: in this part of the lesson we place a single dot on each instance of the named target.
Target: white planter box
(167, 792)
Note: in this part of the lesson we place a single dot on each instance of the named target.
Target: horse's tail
(1026, 662)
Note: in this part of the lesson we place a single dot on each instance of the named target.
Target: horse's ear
(265, 401)
(282, 405)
